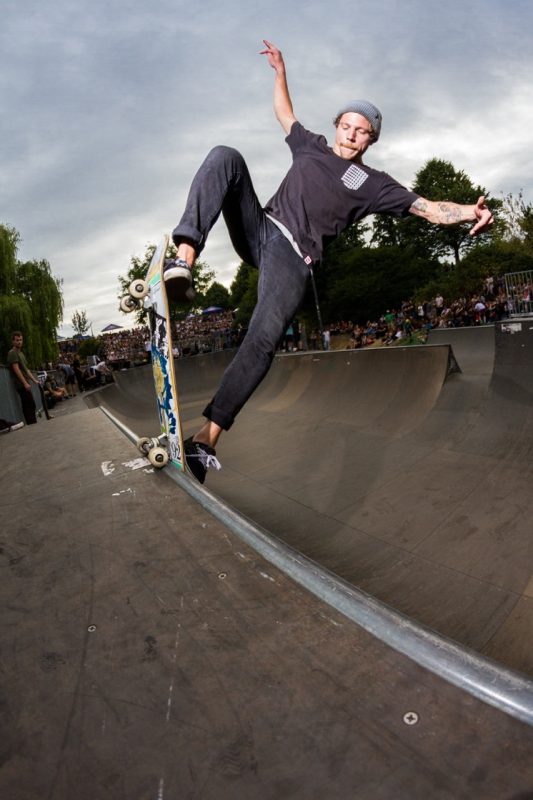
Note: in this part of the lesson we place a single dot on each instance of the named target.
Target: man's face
(353, 136)
(17, 342)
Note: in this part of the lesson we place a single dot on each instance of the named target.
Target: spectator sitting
(355, 339)
(49, 400)
(53, 392)
(381, 330)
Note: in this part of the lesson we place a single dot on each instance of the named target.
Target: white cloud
(109, 109)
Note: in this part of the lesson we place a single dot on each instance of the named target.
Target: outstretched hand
(484, 217)
(282, 99)
(275, 59)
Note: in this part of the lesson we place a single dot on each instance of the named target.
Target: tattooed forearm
(449, 214)
(442, 212)
(420, 206)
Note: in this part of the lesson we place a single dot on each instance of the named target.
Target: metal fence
(519, 290)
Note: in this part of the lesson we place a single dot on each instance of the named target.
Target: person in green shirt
(22, 377)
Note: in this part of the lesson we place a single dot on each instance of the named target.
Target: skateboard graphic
(151, 293)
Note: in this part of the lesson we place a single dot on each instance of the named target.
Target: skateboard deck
(166, 390)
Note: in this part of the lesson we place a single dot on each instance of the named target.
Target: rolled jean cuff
(190, 234)
(218, 416)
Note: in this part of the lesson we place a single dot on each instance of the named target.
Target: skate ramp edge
(500, 687)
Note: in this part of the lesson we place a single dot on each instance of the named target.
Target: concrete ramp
(405, 477)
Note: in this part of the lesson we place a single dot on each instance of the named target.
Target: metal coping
(503, 688)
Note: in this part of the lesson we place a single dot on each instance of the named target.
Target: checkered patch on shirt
(354, 177)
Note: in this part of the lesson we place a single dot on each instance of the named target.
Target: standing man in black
(22, 378)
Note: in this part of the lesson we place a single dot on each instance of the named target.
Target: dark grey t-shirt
(322, 193)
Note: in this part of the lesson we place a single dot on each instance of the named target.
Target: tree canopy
(31, 300)
(364, 282)
(243, 292)
(80, 323)
(217, 295)
(437, 180)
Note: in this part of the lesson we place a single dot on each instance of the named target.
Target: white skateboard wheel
(158, 457)
(128, 304)
(138, 289)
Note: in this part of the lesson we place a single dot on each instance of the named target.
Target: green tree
(370, 280)
(493, 259)
(331, 272)
(15, 315)
(9, 241)
(439, 180)
(31, 300)
(80, 323)
(354, 236)
(509, 250)
(43, 293)
(90, 347)
(217, 295)
(203, 278)
(239, 285)
(387, 231)
(243, 292)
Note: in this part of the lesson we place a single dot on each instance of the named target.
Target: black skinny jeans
(28, 404)
(223, 184)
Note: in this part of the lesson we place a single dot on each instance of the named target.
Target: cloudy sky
(109, 106)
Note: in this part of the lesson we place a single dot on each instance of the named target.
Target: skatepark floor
(148, 652)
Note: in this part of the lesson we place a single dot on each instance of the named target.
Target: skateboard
(151, 293)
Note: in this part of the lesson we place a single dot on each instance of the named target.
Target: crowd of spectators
(198, 333)
(490, 305)
(206, 332)
(124, 348)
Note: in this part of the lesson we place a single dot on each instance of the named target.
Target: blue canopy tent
(212, 310)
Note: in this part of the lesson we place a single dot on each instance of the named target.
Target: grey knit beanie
(367, 110)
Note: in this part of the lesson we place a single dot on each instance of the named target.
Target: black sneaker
(199, 458)
(178, 280)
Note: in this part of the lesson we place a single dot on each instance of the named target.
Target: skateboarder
(326, 190)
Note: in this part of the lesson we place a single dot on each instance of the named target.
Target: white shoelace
(207, 459)
(212, 461)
